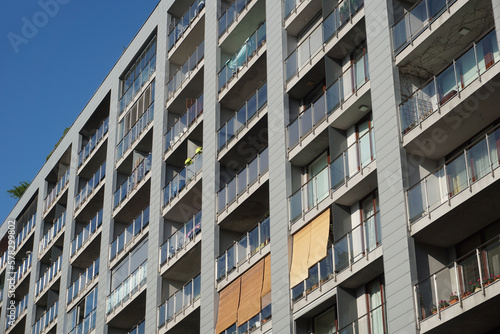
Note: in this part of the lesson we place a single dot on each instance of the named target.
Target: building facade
(266, 166)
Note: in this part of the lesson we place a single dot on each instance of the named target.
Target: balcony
(182, 239)
(231, 15)
(139, 329)
(340, 95)
(180, 305)
(19, 313)
(183, 126)
(463, 293)
(127, 290)
(184, 23)
(140, 127)
(84, 282)
(451, 82)
(131, 233)
(52, 234)
(132, 182)
(92, 185)
(49, 277)
(240, 183)
(261, 320)
(242, 251)
(47, 320)
(241, 59)
(87, 325)
(344, 262)
(297, 14)
(351, 166)
(234, 128)
(3, 260)
(22, 270)
(55, 192)
(25, 232)
(86, 235)
(93, 143)
(182, 180)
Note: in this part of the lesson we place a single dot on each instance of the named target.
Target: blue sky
(49, 72)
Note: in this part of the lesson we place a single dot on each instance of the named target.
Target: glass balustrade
(314, 42)
(48, 276)
(1, 294)
(25, 231)
(139, 329)
(184, 22)
(3, 259)
(180, 239)
(183, 124)
(46, 319)
(242, 250)
(83, 281)
(134, 133)
(132, 181)
(184, 72)
(179, 301)
(127, 289)
(459, 173)
(416, 20)
(93, 142)
(127, 236)
(374, 321)
(87, 325)
(242, 117)
(92, 184)
(51, 197)
(182, 179)
(243, 180)
(461, 279)
(52, 232)
(348, 164)
(453, 79)
(81, 239)
(241, 57)
(22, 269)
(291, 5)
(252, 324)
(20, 308)
(333, 98)
(230, 15)
(349, 249)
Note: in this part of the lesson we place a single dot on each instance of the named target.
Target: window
(317, 180)
(375, 299)
(370, 217)
(129, 265)
(83, 310)
(326, 323)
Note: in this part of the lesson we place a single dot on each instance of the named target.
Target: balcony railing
(291, 6)
(374, 321)
(87, 325)
(127, 236)
(184, 22)
(348, 164)
(127, 288)
(230, 15)
(177, 303)
(334, 97)
(314, 42)
(243, 249)
(243, 180)
(132, 181)
(184, 72)
(22, 269)
(81, 239)
(48, 276)
(469, 275)
(181, 180)
(182, 125)
(20, 308)
(459, 173)
(139, 329)
(451, 81)
(92, 184)
(180, 239)
(242, 117)
(241, 57)
(252, 324)
(93, 142)
(46, 319)
(26, 230)
(51, 197)
(126, 143)
(341, 255)
(83, 281)
(52, 232)
(3, 259)
(416, 20)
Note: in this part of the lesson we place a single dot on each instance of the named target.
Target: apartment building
(260, 166)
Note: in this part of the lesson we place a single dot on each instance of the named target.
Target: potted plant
(434, 310)
(443, 304)
(489, 280)
(453, 298)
